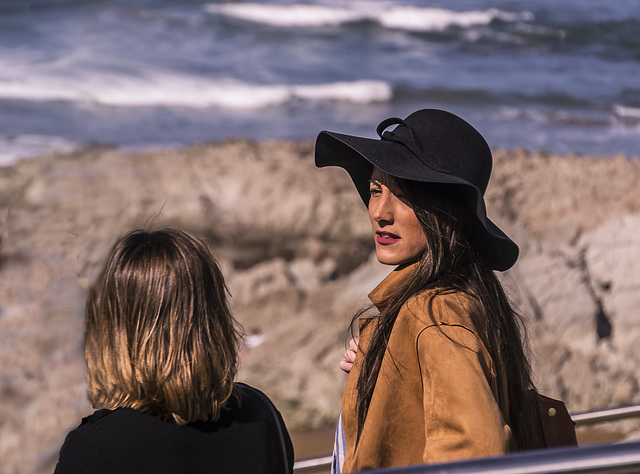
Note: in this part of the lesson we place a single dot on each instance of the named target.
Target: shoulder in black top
(247, 438)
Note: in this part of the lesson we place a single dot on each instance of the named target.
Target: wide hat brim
(358, 156)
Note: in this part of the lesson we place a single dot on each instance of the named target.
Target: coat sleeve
(461, 416)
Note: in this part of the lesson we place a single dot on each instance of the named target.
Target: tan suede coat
(435, 398)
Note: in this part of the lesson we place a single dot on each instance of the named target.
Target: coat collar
(387, 287)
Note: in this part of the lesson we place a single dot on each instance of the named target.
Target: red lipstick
(386, 238)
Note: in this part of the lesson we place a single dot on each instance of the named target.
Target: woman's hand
(349, 356)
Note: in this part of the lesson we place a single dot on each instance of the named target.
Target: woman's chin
(386, 258)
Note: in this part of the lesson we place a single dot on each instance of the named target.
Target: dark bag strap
(553, 426)
(276, 417)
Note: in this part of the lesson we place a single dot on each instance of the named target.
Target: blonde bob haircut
(159, 334)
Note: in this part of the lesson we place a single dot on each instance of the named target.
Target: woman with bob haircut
(440, 374)
(161, 348)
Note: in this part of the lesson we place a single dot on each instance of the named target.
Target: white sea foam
(514, 113)
(286, 15)
(626, 112)
(360, 92)
(396, 17)
(20, 147)
(438, 19)
(171, 90)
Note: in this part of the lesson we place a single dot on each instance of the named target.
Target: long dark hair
(451, 263)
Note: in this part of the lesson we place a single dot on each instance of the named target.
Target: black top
(245, 439)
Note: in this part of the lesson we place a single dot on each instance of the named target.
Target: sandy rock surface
(295, 247)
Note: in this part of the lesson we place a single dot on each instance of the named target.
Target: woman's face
(398, 235)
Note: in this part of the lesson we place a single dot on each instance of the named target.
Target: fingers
(345, 366)
(353, 344)
(349, 356)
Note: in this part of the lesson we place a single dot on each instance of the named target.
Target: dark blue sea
(563, 76)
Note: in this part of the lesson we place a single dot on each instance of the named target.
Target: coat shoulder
(435, 307)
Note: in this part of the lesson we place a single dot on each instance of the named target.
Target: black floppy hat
(429, 146)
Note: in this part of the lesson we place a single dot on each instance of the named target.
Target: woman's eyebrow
(375, 182)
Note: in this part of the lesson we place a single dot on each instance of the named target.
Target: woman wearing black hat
(441, 374)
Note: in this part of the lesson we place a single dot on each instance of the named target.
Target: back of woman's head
(159, 334)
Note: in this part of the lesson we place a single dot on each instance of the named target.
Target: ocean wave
(627, 112)
(286, 15)
(13, 149)
(438, 19)
(359, 92)
(167, 90)
(558, 117)
(522, 34)
(396, 17)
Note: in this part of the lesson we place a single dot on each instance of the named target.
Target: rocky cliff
(295, 246)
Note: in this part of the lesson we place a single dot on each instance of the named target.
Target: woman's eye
(374, 191)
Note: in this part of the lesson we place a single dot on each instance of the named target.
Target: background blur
(560, 76)
(111, 101)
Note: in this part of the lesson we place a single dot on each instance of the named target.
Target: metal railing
(609, 458)
(312, 464)
(604, 458)
(606, 414)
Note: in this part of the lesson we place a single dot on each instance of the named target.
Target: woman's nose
(381, 208)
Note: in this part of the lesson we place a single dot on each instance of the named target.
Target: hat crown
(446, 143)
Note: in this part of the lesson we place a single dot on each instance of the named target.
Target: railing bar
(581, 418)
(612, 458)
(607, 414)
(312, 464)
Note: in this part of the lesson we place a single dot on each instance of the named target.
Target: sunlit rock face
(295, 246)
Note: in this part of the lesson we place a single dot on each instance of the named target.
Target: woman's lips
(386, 238)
